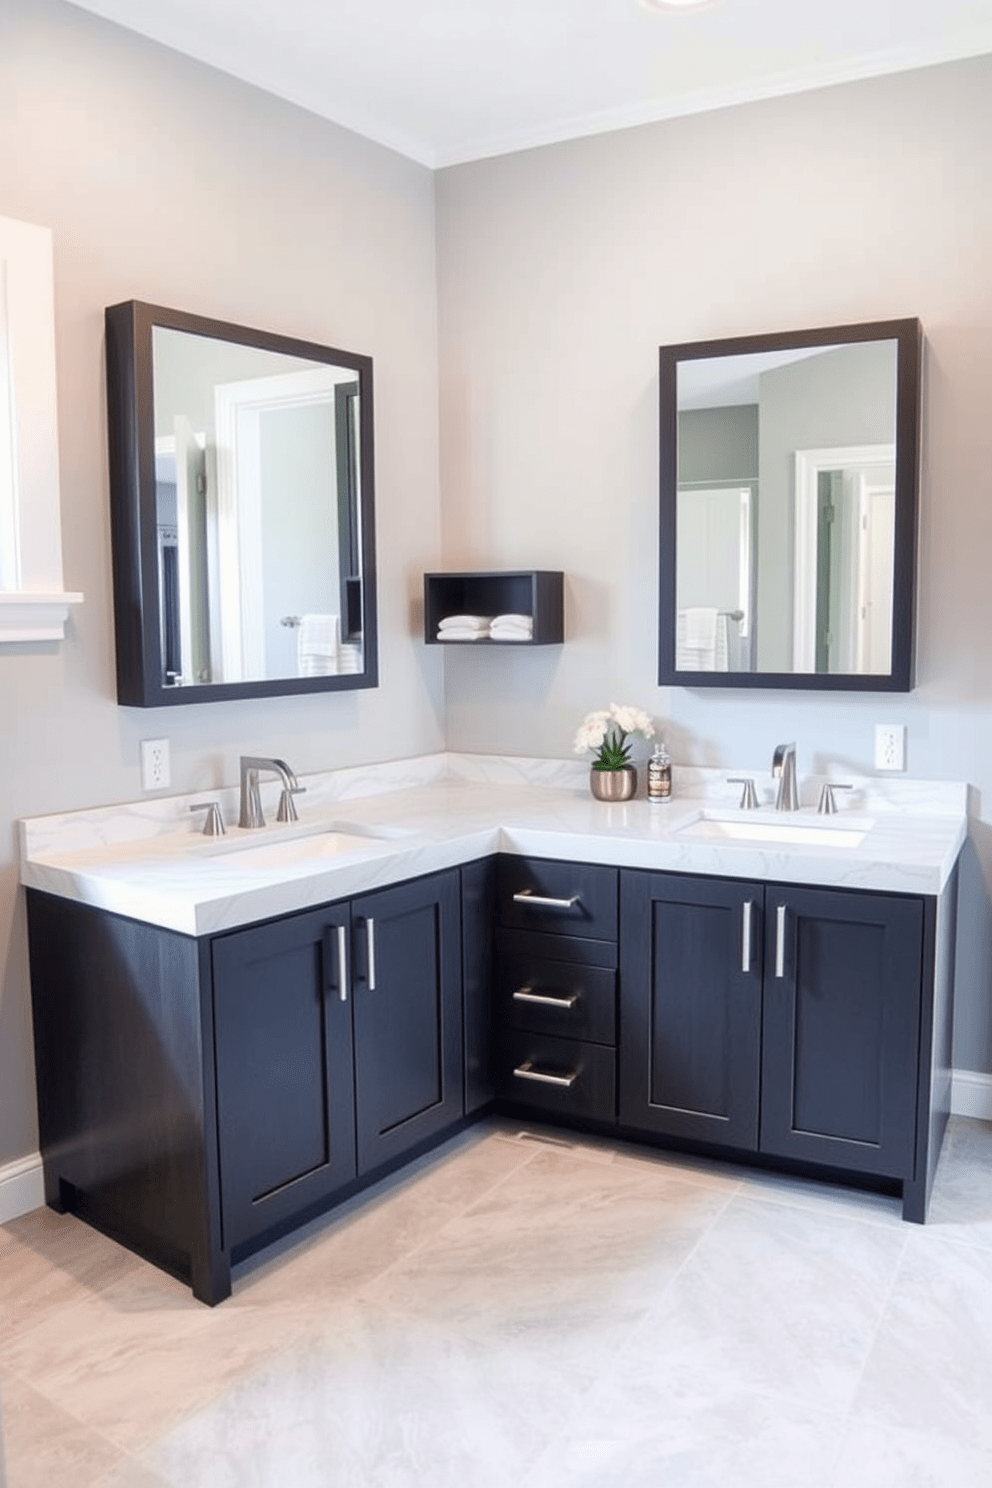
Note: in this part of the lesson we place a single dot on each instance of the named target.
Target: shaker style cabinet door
(841, 1028)
(285, 1085)
(408, 1015)
(690, 1006)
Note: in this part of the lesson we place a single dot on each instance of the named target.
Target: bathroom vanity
(233, 1036)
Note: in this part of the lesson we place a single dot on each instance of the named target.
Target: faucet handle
(828, 805)
(286, 811)
(749, 796)
(213, 822)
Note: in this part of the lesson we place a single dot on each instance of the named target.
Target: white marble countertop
(148, 860)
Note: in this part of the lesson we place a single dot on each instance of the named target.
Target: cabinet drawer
(558, 1076)
(563, 898)
(546, 995)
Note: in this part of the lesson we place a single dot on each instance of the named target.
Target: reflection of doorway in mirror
(277, 518)
(181, 524)
(845, 542)
(714, 565)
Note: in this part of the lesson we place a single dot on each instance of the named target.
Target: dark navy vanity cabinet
(200, 1097)
(774, 1019)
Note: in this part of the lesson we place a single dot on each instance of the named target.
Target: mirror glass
(788, 499)
(254, 508)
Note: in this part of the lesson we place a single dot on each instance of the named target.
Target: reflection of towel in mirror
(701, 641)
(318, 642)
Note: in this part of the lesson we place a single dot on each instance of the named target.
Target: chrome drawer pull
(343, 963)
(370, 934)
(780, 940)
(526, 994)
(527, 896)
(746, 935)
(526, 1071)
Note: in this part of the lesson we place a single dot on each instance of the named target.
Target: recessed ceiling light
(674, 4)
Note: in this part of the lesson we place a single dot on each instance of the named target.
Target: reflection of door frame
(809, 463)
(239, 407)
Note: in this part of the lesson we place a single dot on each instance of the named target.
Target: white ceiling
(444, 81)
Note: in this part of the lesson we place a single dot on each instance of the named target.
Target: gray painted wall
(556, 275)
(166, 181)
(561, 272)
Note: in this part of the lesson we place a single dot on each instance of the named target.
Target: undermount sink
(805, 832)
(286, 850)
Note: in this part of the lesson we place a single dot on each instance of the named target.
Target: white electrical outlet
(890, 746)
(154, 764)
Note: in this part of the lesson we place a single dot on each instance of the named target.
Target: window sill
(34, 617)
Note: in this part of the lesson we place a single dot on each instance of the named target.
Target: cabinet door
(841, 1028)
(285, 1087)
(408, 1015)
(690, 1006)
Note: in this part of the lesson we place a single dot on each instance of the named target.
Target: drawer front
(561, 898)
(562, 998)
(563, 1077)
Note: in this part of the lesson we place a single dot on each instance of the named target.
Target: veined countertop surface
(150, 861)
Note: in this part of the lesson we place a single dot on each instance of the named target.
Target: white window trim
(33, 604)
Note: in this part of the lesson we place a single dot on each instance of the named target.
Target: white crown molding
(702, 101)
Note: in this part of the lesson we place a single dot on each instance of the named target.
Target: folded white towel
(466, 633)
(512, 628)
(526, 622)
(464, 622)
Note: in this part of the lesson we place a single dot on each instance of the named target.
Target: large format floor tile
(525, 1309)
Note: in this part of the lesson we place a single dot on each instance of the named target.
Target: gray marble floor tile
(49, 1261)
(44, 1444)
(348, 1248)
(873, 1457)
(776, 1296)
(378, 1399)
(810, 1193)
(638, 1437)
(930, 1368)
(562, 1247)
(142, 1353)
(961, 1203)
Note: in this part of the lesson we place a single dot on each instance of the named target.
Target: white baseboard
(22, 1187)
(971, 1094)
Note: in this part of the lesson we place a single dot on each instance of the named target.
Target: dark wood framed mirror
(789, 491)
(242, 511)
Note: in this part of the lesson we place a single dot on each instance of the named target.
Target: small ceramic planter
(613, 785)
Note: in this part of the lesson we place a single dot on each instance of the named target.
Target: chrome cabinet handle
(526, 994)
(526, 1071)
(343, 963)
(748, 909)
(370, 941)
(780, 940)
(527, 896)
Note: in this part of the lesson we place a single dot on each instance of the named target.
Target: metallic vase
(613, 785)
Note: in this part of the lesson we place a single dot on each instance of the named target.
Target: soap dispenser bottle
(660, 775)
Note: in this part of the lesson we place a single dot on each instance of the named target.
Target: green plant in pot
(607, 732)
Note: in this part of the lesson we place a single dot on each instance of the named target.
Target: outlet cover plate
(890, 746)
(155, 773)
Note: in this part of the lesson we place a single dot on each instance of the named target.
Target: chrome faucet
(251, 814)
(784, 767)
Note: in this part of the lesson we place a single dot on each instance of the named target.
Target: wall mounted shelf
(538, 593)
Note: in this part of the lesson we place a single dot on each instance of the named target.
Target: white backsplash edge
(134, 821)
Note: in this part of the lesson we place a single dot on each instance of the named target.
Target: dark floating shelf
(535, 592)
